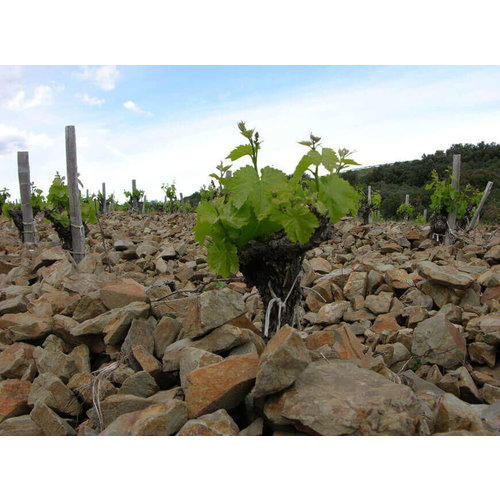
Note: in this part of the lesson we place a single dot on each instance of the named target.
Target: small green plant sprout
(57, 210)
(406, 210)
(221, 175)
(4, 195)
(364, 208)
(209, 192)
(264, 222)
(136, 195)
(170, 193)
(419, 219)
(445, 200)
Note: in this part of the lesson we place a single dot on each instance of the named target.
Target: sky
(174, 124)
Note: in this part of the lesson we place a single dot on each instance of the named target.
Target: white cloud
(12, 139)
(132, 106)
(104, 77)
(42, 96)
(92, 101)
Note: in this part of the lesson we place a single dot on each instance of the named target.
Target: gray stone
(49, 389)
(50, 422)
(222, 339)
(356, 285)
(165, 333)
(55, 362)
(162, 419)
(454, 415)
(444, 275)
(218, 423)
(20, 426)
(192, 358)
(335, 397)
(437, 341)
(140, 384)
(332, 313)
(378, 304)
(282, 361)
(212, 309)
(139, 333)
(16, 304)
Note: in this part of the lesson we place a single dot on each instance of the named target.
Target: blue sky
(175, 123)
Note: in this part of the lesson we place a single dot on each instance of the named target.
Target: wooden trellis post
(135, 206)
(369, 199)
(103, 197)
(425, 215)
(23, 169)
(475, 218)
(455, 184)
(144, 204)
(77, 230)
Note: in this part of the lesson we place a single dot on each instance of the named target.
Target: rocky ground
(397, 337)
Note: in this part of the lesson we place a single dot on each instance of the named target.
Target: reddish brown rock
(20, 426)
(26, 326)
(218, 423)
(223, 385)
(282, 361)
(317, 339)
(211, 309)
(163, 419)
(385, 323)
(16, 361)
(120, 292)
(13, 398)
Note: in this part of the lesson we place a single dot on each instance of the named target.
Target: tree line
(480, 164)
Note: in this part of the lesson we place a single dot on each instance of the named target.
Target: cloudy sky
(176, 123)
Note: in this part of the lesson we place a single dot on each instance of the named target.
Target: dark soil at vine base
(273, 267)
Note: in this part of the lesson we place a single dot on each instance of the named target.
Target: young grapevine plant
(445, 200)
(257, 203)
(261, 222)
(406, 210)
(57, 210)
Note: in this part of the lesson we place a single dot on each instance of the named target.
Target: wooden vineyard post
(87, 193)
(455, 184)
(23, 169)
(103, 197)
(425, 215)
(369, 200)
(77, 230)
(407, 202)
(475, 218)
(229, 174)
(135, 206)
(143, 204)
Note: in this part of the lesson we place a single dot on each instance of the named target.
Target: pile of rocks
(397, 337)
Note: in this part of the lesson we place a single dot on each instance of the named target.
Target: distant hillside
(480, 164)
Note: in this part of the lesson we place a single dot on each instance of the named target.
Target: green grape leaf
(274, 181)
(298, 222)
(242, 185)
(222, 258)
(315, 157)
(235, 217)
(329, 159)
(348, 161)
(240, 151)
(306, 143)
(207, 217)
(338, 196)
(304, 163)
